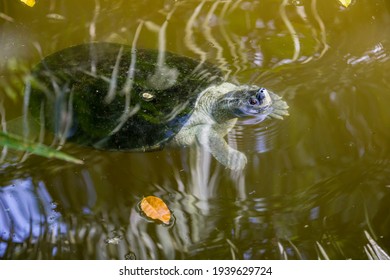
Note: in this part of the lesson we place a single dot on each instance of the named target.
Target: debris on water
(114, 240)
(29, 3)
(130, 256)
(155, 209)
(345, 3)
(147, 96)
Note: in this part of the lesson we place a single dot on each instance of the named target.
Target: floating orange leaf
(29, 3)
(156, 209)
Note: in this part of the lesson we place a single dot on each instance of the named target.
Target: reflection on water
(316, 184)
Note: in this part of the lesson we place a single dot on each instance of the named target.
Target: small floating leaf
(18, 143)
(156, 209)
(29, 3)
(345, 3)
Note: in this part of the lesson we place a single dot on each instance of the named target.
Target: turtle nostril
(260, 95)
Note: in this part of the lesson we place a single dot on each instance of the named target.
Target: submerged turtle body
(94, 95)
(113, 97)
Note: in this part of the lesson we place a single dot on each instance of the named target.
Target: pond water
(316, 184)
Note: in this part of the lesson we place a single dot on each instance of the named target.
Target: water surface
(316, 185)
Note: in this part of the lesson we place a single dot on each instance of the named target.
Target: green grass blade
(18, 143)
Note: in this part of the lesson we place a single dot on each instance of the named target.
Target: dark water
(317, 184)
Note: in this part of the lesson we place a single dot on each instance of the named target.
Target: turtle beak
(260, 95)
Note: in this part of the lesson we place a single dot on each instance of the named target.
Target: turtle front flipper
(208, 138)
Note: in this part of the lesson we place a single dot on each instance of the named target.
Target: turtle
(117, 97)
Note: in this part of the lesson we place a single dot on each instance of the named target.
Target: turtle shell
(111, 96)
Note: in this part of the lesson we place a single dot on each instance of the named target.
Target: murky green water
(316, 185)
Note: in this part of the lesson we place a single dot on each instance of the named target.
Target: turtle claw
(280, 107)
(275, 116)
(236, 161)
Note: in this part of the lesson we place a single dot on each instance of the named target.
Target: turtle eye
(253, 101)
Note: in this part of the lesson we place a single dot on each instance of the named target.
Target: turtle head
(249, 102)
